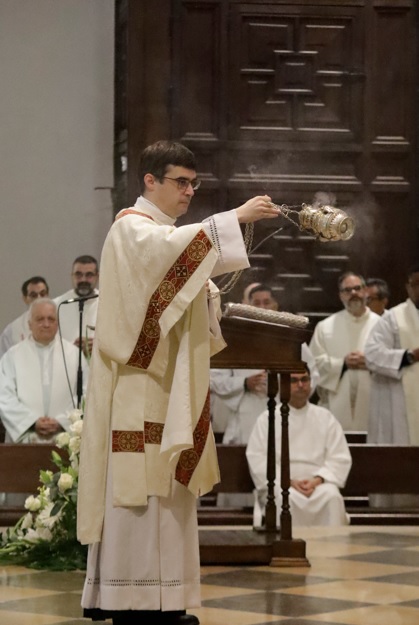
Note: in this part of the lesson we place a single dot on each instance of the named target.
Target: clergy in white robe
(35, 396)
(18, 330)
(338, 346)
(85, 276)
(319, 461)
(392, 354)
(394, 405)
(147, 448)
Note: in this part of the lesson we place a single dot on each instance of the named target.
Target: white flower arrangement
(45, 537)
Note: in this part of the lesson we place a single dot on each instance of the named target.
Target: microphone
(80, 299)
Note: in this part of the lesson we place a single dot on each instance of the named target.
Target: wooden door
(299, 100)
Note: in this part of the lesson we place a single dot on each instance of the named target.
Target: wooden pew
(19, 473)
(375, 469)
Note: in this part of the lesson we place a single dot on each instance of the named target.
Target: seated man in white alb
(18, 329)
(35, 396)
(319, 460)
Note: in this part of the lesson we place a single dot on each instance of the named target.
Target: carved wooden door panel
(301, 100)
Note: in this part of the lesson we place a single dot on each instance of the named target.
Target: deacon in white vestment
(18, 330)
(319, 461)
(84, 276)
(338, 346)
(238, 396)
(392, 354)
(147, 447)
(35, 398)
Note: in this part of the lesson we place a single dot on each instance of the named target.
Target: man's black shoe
(178, 618)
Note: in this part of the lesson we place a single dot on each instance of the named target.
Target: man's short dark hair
(347, 274)
(261, 287)
(33, 280)
(156, 158)
(86, 260)
(383, 292)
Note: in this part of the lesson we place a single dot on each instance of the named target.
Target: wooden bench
(375, 469)
(19, 473)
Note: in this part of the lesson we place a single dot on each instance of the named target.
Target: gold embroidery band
(134, 440)
(174, 280)
(189, 459)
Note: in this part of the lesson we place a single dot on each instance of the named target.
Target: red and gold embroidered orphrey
(188, 459)
(134, 440)
(174, 280)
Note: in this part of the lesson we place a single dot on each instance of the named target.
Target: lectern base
(289, 553)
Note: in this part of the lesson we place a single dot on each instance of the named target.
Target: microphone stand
(79, 368)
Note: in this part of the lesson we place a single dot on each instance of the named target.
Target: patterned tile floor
(358, 576)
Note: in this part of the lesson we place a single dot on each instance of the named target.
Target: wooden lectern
(276, 348)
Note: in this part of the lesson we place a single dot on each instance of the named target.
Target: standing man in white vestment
(147, 447)
(338, 346)
(18, 329)
(319, 460)
(35, 398)
(84, 276)
(238, 396)
(392, 354)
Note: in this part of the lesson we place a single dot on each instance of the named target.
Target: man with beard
(85, 276)
(338, 348)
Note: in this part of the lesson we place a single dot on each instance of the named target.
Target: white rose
(62, 439)
(27, 521)
(74, 444)
(32, 503)
(75, 415)
(44, 533)
(77, 427)
(65, 482)
(43, 516)
(46, 520)
(40, 533)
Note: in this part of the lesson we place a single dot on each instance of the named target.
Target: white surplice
(33, 384)
(394, 405)
(14, 332)
(347, 395)
(318, 447)
(140, 521)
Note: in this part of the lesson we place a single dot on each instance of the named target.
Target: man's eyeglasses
(89, 275)
(349, 289)
(183, 183)
(34, 295)
(303, 380)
